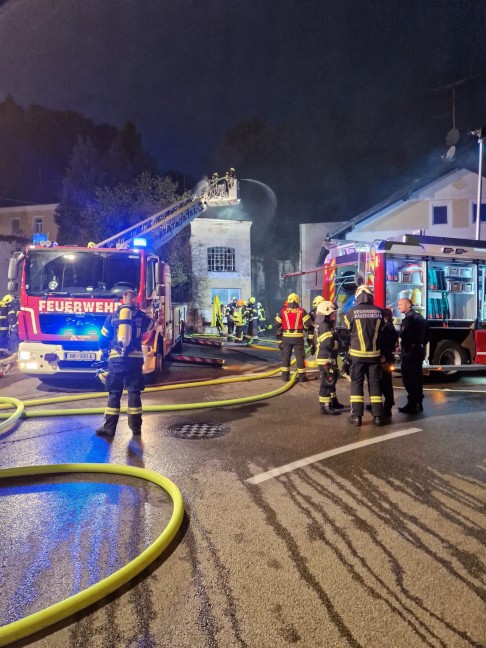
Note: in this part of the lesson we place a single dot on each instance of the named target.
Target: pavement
(364, 536)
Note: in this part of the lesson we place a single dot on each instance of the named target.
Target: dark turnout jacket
(365, 321)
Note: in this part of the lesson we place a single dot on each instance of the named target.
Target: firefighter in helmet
(4, 307)
(230, 324)
(122, 335)
(365, 322)
(327, 350)
(293, 321)
(262, 318)
(312, 329)
(13, 307)
(239, 318)
(252, 318)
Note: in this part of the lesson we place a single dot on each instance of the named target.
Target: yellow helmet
(252, 300)
(8, 299)
(293, 297)
(317, 300)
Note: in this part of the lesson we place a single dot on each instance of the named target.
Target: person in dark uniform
(311, 336)
(413, 337)
(4, 307)
(293, 321)
(230, 324)
(365, 321)
(389, 339)
(327, 346)
(122, 334)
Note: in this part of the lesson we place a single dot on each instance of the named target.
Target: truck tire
(449, 352)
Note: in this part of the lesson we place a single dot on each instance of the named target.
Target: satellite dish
(452, 137)
(451, 154)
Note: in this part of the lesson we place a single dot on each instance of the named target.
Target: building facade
(446, 206)
(17, 227)
(221, 263)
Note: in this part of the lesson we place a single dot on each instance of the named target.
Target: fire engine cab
(444, 278)
(66, 292)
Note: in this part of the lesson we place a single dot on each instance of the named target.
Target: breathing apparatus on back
(124, 329)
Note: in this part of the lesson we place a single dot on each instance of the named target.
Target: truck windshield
(81, 273)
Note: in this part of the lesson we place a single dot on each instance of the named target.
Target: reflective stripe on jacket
(365, 322)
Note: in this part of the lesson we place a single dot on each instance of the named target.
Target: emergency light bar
(139, 242)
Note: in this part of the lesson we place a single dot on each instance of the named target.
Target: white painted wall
(212, 232)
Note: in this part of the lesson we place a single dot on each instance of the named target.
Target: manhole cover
(197, 430)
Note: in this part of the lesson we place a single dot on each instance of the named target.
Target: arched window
(221, 259)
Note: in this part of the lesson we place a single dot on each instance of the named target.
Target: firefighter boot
(285, 376)
(355, 420)
(301, 377)
(108, 428)
(135, 424)
(335, 404)
(326, 408)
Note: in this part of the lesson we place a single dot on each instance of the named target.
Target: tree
(84, 174)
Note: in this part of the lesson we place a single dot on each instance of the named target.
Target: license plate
(79, 355)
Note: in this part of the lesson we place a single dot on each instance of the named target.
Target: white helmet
(363, 289)
(326, 308)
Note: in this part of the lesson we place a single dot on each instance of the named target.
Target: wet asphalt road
(382, 545)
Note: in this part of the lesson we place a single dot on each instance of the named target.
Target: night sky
(352, 76)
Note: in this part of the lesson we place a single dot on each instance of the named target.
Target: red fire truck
(444, 278)
(66, 292)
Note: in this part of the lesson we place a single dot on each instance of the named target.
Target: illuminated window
(439, 215)
(38, 225)
(221, 259)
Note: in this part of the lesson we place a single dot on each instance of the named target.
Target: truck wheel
(449, 352)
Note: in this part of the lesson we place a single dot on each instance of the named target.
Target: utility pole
(480, 133)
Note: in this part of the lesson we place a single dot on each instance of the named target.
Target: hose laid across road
(7, 403)
(59, 611)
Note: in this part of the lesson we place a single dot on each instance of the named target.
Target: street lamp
(480, 133)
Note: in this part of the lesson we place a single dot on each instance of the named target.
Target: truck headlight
(26, 355)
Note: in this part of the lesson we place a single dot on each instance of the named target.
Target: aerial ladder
(165, 224)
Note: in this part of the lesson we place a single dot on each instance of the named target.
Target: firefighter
(311, 336)
(4, 306)
(228, 311)
(365, 321)
(293, 321)
(326, 353)
(122, 335)
(252, 321)
(413, 338)
(239, 318)
(389, 339)
(262, 318)
(13, 306)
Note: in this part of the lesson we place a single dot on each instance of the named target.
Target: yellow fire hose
(54, 613)
(59, 611)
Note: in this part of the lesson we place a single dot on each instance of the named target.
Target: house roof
(400, 196)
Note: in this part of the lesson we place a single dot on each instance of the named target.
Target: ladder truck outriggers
(66, 292)
(445, 279)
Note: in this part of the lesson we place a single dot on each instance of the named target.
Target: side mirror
(13, 265)
(12, 286)
(160, 290)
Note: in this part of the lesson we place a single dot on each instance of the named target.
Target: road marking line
(275, 472)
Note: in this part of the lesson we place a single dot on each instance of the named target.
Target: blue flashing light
(92, 331)
(67, 332)
(140, 242)
(38, 237)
